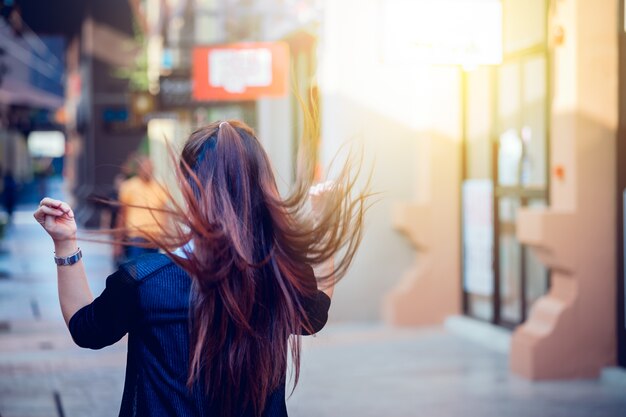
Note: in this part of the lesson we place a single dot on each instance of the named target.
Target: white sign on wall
(46, 143)
(478, 237)
(449, 32)
(235, 70)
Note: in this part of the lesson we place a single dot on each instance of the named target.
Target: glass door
(520, 180)
(477, 194)
(505, 158)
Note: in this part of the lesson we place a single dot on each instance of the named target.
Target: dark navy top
(149, 299)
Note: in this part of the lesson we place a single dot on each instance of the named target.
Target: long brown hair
(251, 256)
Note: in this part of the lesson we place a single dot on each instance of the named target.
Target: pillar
(430, 289)
(570, 332)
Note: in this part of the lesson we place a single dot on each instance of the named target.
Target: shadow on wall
(402, 161)
(570, 332)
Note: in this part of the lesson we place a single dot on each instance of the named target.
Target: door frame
(621, 186)
(524, 194)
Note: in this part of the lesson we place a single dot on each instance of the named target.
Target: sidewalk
(42, 373)
(369, 371)
(348, 370)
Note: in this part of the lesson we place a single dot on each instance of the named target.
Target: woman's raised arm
(57, 219)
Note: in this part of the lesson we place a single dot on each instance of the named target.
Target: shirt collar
(183, 250)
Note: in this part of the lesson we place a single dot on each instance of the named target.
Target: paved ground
(372, 371)
(348, 370)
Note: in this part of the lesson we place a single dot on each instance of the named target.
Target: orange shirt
(151, 195)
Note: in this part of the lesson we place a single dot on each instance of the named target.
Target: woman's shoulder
(146, 266)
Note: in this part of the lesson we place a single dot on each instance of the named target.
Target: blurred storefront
(106, 101)
(506, 142)
(504, 160)
(176, 29)
(187, 40)
(493, 142)
(31, 100)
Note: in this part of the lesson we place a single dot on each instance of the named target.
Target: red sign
(243, 71)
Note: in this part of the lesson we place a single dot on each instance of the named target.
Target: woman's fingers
(57, 218)
(68, 210)
(49, 223)
(321, 188)
(44, 212)
(39, 215)
(50, 202)
(52, 211)
(59, 205)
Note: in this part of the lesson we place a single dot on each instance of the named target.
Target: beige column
(570, 332)
(431, 289)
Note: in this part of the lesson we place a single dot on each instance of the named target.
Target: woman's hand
(57, 218)
(318, 194)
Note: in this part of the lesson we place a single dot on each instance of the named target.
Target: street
(349, 369)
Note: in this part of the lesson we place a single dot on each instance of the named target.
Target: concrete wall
(274, 129)
(103, 149)
(399, 114)
(571, 331)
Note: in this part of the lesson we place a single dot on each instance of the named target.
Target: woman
(9, 194)
(212, 321)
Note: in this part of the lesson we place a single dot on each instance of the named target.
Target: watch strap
(68, 260)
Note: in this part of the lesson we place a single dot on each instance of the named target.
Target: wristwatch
(68, 260)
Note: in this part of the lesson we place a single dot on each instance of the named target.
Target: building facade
(104, 101)
(501, 176)
(496, 160)
(176, 30)
(31, 94)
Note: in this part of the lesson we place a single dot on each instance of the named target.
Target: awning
(18, 93)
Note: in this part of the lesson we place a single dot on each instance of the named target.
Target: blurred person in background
(114, 195)
(108, 211)
(9, 193)
(106, 203)
(42, 170)
(141, 211)
(213, 319)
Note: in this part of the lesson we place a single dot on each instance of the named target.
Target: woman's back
(149, 299)
(210, 323)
